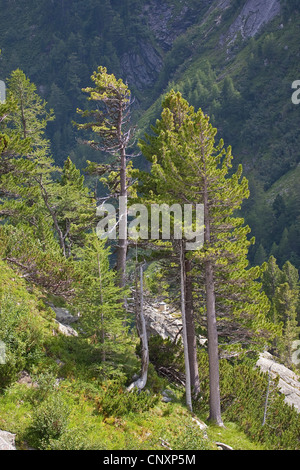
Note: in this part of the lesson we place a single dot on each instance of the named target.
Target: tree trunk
(191, 335)
(140, 383)
(184, 330)
(212, 332)
(213, 349)
(101, 304)
(122, 249)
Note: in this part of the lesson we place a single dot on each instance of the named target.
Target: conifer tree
(30, 159)
(188, 165)
(70, 206)
(29, 182)
(97, 299)
(159, 187)
(12, 144)
(30, 116)
(283, 291)
(110, 121)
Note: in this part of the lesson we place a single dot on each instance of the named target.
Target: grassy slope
(88, 424)
(165, 423)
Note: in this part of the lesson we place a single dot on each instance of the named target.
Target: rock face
(254, 14)
(7, 441)
(164, 324)
(166, 22)
(141, 67)
(289, 383)
(64, 319)
(167, 324)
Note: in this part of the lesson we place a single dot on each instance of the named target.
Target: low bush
(50, 421)
(115, 400)
(22, 335)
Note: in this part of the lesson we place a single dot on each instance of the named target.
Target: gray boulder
(289, 384)
(7, 441)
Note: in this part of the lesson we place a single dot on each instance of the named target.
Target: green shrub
(117, 401)
(243, 390)
(22, 335)
(50, 421)
(190, 439)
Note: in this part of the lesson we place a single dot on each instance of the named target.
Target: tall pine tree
(110, 121)
(187, 166)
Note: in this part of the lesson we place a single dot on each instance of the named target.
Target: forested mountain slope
(235, 59)
(112, 384)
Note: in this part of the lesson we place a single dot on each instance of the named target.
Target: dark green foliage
(167, 358)
(20, 333)
(282, 289)
(247, 389)
(46, 222)
(115, 400)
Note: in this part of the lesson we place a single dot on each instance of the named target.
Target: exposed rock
(166, 22)
(64, 316)
(168, 396)
(223, 446)
(142, 67)
(254, 14)
(25, 379)
(201, 425)
(63, 320)
(66, 330)
(167, 323)
(7, 441)
(289, 384)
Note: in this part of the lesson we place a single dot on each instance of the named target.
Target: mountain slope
(236, 59)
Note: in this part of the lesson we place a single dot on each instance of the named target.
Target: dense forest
(155, 105)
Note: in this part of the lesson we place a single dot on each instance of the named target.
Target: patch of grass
(233, 436)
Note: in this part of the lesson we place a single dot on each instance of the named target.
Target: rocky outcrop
(164, 323)
(7, 441)
(254, 14)
(289, 384)
(63, 320)
(141, 67)
(167, 22)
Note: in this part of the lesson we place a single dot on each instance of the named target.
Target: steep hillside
(59, 44)
(236, 59)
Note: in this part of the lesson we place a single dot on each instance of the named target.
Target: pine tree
(25, 126)
(70, 206)
(12, 146)
(30, 116)
(271, 279)
(160, 186)
(110, 122)
(32, 193)
(188, 165)
(283, 291)
(97, 299)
